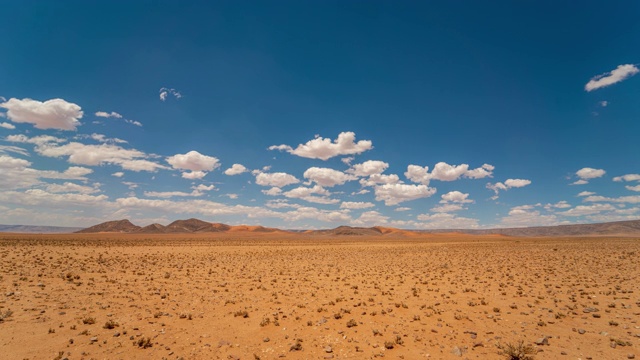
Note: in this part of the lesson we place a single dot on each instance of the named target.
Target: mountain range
(622, 228)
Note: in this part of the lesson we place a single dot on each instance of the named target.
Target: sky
(315, 114)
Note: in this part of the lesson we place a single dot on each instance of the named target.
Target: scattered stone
(542, 341)
(613, 344)
(563, 353)
(457, 351)
(581, 331)
(631, 356)
(328, 349)
(94, 339)
(266, 339)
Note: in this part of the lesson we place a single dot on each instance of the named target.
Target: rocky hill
(117, 226)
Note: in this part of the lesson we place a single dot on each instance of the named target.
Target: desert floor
(250, 296)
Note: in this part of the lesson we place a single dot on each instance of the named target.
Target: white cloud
(418, 174)
(194, 175)
(274, 191)
(508, 184)
(370, 218)
(447, 208)
(118, 174)
(582, 210)
(324, 148)
(17, 173)
(620, 73)
(356, 205)
(203, 187)
(193, 161)
(308, 194)
(7, 126)
(169, 194)
(69, 187)
(455, 196)
(603, 103)
(586, 193)
(559, 205)
(37, 140)
(633, 188)
(93, 155)
(327, 177)
(525, 216)
(446, 221)
(165, 92)
(38, 197)
(105, 114)
(277, 179)
(133, 122)
(632, 199)
(445, 172)
(579, 182)
(393, 194)
(369, 167)
(305, 212)
(13, 149)
(402, 209)
(235, 169)
(517, 183)
(590, 173)
(51, 114)
(628, 177)
(375, 179)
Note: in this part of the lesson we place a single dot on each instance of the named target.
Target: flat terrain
(270, 296)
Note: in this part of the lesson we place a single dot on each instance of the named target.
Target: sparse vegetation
(517, 351)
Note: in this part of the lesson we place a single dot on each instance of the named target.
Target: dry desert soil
(296, 296)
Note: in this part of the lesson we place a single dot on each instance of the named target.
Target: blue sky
(403, 114)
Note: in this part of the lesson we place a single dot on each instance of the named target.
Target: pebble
(542, 341)
(456, 351)
(581, 331)
(631, 356)
(94, 339)
(328, 349)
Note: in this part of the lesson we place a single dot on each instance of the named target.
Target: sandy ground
(250, 296)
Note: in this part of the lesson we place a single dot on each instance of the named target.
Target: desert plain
(296, 296)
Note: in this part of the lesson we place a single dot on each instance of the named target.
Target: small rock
(478, 344)
(328, 349)
(94, 339)
(631, 356)
(581, 331)
(542, 341)
(613, 344)
(116, 334)
(456, 351)
(266, 339)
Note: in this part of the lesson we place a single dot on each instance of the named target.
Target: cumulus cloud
(311, 194)
(93, 155)
(324, 148)
(622, 72)
(393, 194)
(586, 174)
(525, 216)
(306, 212)
(236, 169)
(118, 174)
(446, 221)
(508, 184)
(51, 114)
(456, 197)
(402, 209)
(197, 163)
(277, 179)
(37, 140)
(628, 177)
(327, 177)
(632, 199)
(447, 208)
(633, 188)
(105, 114)
(18, 174)
(370, 218)
(38, 197)
(369, 167)
(586, 193)
(376, 179)
(7, 126)
(356, 205)
(582, 210)
(133, 122)
(165, 92)
(69, 187)
(445, 172)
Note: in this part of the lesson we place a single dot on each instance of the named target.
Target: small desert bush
(518, 351)
(110, 324)
(88, 320)
(143, 343)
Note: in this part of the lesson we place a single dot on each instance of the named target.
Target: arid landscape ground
(247, 295)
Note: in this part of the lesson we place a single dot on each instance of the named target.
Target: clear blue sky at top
(459, 82)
